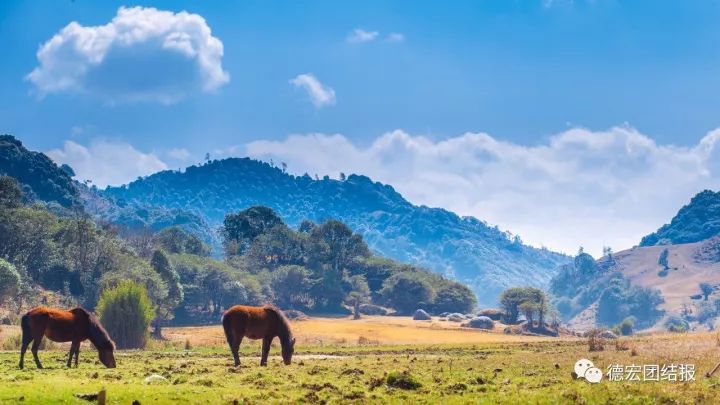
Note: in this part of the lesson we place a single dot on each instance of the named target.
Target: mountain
(698, 220)
(39, 176)
(465, 248)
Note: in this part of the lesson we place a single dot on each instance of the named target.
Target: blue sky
(528, 74)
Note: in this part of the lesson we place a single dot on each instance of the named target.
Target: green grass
(491, 373)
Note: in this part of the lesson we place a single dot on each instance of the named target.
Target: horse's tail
(228, 328)
(25, 325)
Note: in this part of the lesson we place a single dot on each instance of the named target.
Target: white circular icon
(581, 367)
(593, 375)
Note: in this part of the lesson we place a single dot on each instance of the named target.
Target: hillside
(698, 220)
(465, 248)
(39, 176)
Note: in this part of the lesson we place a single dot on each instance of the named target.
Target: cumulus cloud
(359, 35)
(142, 54)
(581, 187)
(319, 94)
(180, 154)
(107, 162)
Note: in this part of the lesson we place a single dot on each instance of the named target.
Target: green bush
(9, 281)
(126, 312)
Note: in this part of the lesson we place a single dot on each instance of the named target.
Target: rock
(444, 314)
(492, 313)
(155, 379)
(456, 317)
(370, 309)
(608, 334)
(295, 314)
(421, 315)
(480, 322)
(469, 316)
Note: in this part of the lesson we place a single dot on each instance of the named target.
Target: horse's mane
(98, 335)
(284, 323)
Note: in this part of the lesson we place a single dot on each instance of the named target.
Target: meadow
(374, 360)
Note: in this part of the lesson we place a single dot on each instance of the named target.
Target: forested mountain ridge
(38, 175)
(696, 221)
(468, 249)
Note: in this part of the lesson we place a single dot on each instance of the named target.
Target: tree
(176, 240)
(528, 300)
(10, 281)
(663, 259)
(279, 246)
(164, 309)
(706, 289)
(240, 230)
(406, 292)
(454, 297)
(291, 285)
(10, 192)
(126, 313)
(358, 295)
(333, 243)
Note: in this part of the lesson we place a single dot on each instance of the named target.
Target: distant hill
(40, 177)
(698, 220)
(465, 248)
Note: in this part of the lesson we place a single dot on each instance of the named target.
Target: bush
(676, 324)
(404, 380)
(626, 327)
(454, 297)
(406, 291)
(126, 312)
(9, 281)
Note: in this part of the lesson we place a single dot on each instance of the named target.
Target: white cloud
(396, 37)
(107, 162)
(180, 154)
(578, 188)
(143, 54)
(359, 35)
(319, 94)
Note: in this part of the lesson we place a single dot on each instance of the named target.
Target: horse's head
(288, 350)
(107, 357)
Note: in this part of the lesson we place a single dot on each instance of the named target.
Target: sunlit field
(375, 360)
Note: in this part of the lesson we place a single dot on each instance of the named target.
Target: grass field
(389, 360)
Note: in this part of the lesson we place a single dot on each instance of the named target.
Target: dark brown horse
(264, 323)
(75, 325)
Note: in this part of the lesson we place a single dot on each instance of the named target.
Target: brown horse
(264, 323)
(75, 325)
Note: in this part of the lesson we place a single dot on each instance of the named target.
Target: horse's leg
(265, 351)
(73, 347)
(235, 349)
(26, 339)
(34, 350)
(77, 354)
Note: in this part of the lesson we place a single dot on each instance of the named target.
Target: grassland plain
(347, 368)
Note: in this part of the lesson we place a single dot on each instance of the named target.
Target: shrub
(9, 280)
(676, 324)
(126, 312)
(626, 327)
(404, 380)
(406, 291)
(454, 297)
(595, 340)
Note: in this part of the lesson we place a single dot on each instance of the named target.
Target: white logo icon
(585, 368)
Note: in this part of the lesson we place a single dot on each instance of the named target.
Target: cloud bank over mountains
(143, 54)
(598, 188)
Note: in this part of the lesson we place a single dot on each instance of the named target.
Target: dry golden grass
(378, 330)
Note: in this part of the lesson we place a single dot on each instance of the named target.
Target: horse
(264, 323)
(75, 325)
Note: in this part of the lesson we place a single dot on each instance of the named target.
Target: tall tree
(240, 229)
(164, 310)
(358, 295)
